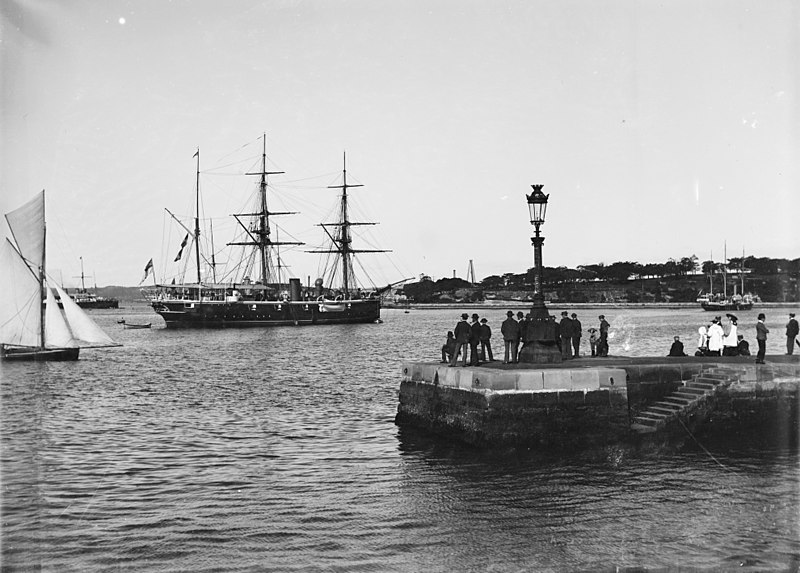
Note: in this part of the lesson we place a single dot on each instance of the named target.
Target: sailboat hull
(11, 353)
(241, 314)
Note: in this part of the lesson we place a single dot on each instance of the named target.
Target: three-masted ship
(267, 301)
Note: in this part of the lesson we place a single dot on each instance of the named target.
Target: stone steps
(661, 413)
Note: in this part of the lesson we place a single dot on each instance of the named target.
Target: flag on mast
(183, 244)
(148, 268)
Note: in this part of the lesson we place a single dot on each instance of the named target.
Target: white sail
(84, 329)
(56, 332)
(27, 227)
(20, 310)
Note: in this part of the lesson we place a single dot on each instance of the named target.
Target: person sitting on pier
(743, 346)
(702, 341)
(677, 348)
(448, 347)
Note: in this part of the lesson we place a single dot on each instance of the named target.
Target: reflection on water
(276, 450)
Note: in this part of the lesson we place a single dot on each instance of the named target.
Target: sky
(658, 129)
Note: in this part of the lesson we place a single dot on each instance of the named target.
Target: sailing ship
(722, 302)
(32, 326)
(87, 299)
(267, 301)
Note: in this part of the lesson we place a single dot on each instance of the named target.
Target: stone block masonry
(584, 403)
(521, 408)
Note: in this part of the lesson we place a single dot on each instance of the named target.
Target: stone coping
(478, 378)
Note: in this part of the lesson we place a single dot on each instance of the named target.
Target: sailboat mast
(42, 293)
(741, 271)
(725, 270)
(83, 284)
(197, 222)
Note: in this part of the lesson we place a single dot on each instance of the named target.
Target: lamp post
(540, 341)
(537, 206)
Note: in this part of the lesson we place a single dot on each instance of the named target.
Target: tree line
(623, 271)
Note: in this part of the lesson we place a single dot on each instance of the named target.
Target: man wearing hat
(602, 346)
(462, 332)
(791, 333)
(577, 331)
(474, 340)
(510, 331)
(486, 344)
(565, 330)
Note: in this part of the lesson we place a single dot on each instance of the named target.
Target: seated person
(743, 346)
(677, 348)
(448, 347)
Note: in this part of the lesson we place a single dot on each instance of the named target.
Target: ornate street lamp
(537, 206)
(540, 344)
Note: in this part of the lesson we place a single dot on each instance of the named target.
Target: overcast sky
(659, 129)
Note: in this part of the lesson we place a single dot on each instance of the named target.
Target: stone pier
(589, 402)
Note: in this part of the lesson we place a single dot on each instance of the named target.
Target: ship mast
(260, 236)
(197, 222)
(342, 238)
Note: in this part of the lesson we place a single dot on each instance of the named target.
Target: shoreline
(585, 305)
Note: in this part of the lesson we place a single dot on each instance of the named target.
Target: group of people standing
(717, 339)
(477, 334)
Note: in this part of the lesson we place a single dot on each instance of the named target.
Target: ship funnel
(294, 289)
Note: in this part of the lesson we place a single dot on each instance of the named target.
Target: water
(276, 450)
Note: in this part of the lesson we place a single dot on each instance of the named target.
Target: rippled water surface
(276, 450)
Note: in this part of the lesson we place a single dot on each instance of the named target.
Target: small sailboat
(32, 326)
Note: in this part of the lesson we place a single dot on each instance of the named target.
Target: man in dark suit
(791, 333)
(461, 332)
(474, 341)
(565, 330)
(602, 349)
(577, 332)
(510, 331)
(761, 338)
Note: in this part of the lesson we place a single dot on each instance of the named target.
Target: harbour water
(276, 450)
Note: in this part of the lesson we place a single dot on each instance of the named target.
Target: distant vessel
(86, 299)
(720, 302)
(126, 324)
(29, 328)
(268, 301)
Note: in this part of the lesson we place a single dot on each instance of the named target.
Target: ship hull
(11, 353)
(244, 314)
(95, 304)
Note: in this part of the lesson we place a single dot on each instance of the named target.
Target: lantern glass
(537, 205)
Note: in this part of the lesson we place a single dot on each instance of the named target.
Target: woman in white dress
(715, 335)
(730, 342)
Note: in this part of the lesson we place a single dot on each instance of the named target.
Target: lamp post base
(540, 345)
(540, 352)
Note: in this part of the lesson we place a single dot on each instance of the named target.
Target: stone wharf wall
(534, 408)
(584, 406)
